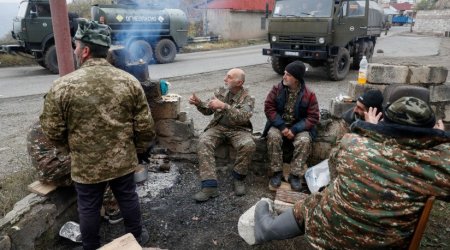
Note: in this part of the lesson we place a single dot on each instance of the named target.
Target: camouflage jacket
(386, 172)
(101, 115)
(237, 116)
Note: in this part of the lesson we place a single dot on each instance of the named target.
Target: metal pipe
(60, 22)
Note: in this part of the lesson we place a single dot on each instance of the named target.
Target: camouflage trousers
(302, 150)
(242, 141)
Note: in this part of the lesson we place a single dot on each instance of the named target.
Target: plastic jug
(362, 74)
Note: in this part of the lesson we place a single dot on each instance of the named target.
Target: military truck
(148, 31)
(33, 31)
(323, 33)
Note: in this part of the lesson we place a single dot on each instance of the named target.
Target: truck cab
(323, 33)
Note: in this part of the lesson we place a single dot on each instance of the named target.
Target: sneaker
(114, 218)
(239, 187)
(275, 181)
(143, 239)
(206, 194)
(295, 182)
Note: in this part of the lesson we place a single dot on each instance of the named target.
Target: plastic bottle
(362, 74)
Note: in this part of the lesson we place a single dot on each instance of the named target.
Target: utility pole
(205, 19)
(63, 42)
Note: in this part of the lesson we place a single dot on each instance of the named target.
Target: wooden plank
(284, 186)
(421, 225)
(40, 188)
(289, 196)
(126, 241)
(280, 206)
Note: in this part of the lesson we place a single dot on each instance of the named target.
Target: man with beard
(99, 114)
(292, 113)
(370, 99)
(232, 107)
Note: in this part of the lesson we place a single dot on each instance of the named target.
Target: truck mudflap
(302, 54)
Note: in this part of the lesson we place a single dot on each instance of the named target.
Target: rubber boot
(206, 194)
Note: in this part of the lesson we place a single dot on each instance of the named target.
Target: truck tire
(50, 59)
(339, 66)
(165, 51)
(279, 64)
(362, 48)
(140, 49)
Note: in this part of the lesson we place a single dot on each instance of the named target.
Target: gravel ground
(173, 219)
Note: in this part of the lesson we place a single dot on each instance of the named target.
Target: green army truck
(148, 31)
(33, 31)
(335, 34)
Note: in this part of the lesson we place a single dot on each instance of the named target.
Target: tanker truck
(325, 33)
(146, 30)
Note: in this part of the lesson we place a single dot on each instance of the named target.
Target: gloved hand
(267, 227)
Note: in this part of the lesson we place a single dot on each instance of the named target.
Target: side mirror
(33, 14)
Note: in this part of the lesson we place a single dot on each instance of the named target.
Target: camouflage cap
(93, 33)
(410, 111)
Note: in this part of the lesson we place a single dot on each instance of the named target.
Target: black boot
(275, 181)
(296, 183)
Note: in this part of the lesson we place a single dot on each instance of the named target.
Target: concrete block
(387, 74)
(175, 129)
(246, 223)
(355, 89)
(446, 113)
(338, 108)
(177, 146)
(440, 93)
(320, 151)
(427, 75)
(182, 116)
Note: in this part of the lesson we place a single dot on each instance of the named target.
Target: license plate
(291, 53)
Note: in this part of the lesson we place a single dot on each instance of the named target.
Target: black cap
(372, 98)
(296, 69)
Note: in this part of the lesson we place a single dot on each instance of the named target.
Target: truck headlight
(321, 40)
(274, 38)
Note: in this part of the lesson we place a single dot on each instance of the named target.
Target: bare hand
(290, 135)
(285, 132)
(215, 104)
(194, 100)
(439, 125)
(371, 116)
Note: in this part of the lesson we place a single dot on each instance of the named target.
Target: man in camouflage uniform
(53, 168)
(386, 172)
(232, 107)
(100, 115)
(292, 113)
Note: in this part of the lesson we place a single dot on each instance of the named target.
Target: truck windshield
(303, 8)
(22, 9)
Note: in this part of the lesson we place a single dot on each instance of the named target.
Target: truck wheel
(338, 67)
(165, 51)
(140, 49)
(279, 64)
(362, 48)
(50, 60)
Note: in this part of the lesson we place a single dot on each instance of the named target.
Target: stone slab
(355, 89)
(126, 241)
(427, 75)
(387, 74)
(175, 129)
(440, 93)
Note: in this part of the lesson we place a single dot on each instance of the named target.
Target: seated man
(53, 167)
(386, 173)
(371, 99)
(232, 107)
(292, 113)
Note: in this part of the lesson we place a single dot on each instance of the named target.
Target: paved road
(23, 81)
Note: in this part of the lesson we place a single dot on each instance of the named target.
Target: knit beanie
(297, 70)
(372, 98)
